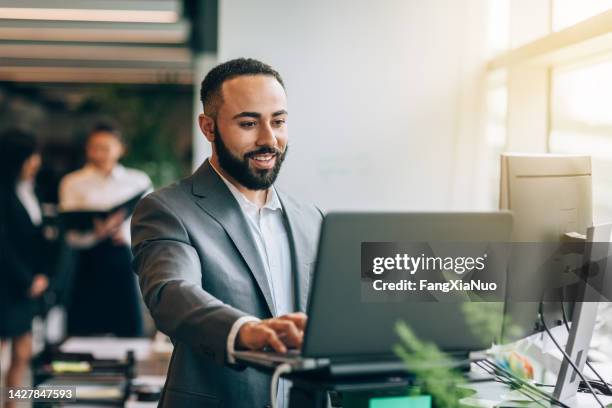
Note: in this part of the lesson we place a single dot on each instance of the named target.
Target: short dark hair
(106, 127)
(210, 92)
(16, 146)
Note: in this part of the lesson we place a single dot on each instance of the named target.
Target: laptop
(346, 335)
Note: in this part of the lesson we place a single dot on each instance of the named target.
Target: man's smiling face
(250, 130)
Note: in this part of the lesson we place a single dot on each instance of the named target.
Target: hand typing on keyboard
(278, 333)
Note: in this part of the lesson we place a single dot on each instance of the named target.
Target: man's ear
(207, 126)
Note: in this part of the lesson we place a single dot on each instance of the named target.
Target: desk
(152, 370)
(151, 366)
(488, 394)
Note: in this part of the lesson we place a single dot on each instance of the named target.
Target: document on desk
(97, 392)
(108, 347)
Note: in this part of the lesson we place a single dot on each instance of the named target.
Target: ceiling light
(66, 14)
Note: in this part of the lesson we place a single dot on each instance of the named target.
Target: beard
(239, 168)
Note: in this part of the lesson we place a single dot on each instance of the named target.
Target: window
(495, 100)
(566, 13)
(581, 122)
(564, 88)
(495, 132)
(498, 27)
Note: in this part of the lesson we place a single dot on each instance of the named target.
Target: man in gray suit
(224, 258)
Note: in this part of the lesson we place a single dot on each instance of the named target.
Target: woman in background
(105, 298)
(22, 249)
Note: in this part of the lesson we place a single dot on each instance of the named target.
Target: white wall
(379, 107)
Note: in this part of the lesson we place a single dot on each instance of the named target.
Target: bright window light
(496, 105)
(582, 123)
(498, 27)
(569, 12)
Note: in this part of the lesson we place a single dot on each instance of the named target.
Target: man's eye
(279, 122)
(247, 124)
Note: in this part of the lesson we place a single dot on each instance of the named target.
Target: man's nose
(266, 136)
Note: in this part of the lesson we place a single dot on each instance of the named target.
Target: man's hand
(278, 333)
(119, 238)
(39, 285)
(110, 226)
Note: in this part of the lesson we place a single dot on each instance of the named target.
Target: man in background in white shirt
(104, 296)
(225, 258)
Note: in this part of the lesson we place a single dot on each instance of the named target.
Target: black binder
(83, 220)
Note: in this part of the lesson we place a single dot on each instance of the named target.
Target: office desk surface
(491, 393)
(151, 367)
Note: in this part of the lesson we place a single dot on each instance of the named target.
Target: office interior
(395, 106)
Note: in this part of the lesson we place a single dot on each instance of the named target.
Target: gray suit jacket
(199, 272)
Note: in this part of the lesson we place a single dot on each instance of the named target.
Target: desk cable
(565, 356)
(514, 382)
(278, 371)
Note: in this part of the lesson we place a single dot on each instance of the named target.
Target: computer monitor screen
(549, 196)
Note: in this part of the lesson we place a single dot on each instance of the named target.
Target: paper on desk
(154, 380)
(108, 347)
(601, 344)
(99, 392)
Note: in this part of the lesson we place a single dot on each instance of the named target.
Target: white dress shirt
(90, 189)
(27, 197)
(268, 228)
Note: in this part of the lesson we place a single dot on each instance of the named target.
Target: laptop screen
(341, 323)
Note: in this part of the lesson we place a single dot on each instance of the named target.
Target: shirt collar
(272, 200)
(117, 172)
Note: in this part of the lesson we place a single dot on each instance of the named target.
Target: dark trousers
(105, 297)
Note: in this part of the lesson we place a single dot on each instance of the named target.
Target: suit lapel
(213, 196)
(298, 243)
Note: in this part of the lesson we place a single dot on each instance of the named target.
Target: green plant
(487, 320)
(431, 369)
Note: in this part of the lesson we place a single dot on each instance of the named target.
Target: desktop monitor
(549, 196)
(596, 255)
